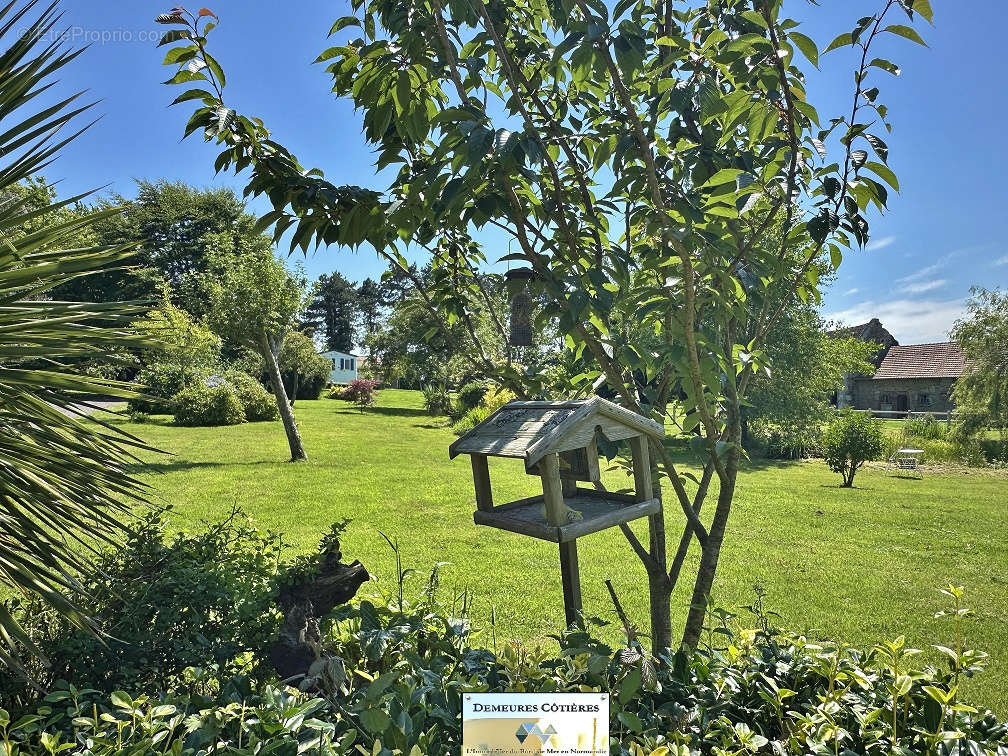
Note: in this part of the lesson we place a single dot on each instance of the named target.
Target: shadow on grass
(387, 411)
(181, 465)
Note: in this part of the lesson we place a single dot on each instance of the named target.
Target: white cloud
(920, 288)
(882, 243)
(851, 292)
(1001, 261)
(924, 272)
(911, 321)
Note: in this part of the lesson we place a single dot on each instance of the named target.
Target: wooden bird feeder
(558, 443)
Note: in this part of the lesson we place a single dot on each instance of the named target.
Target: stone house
(912, 378)
(872, 331)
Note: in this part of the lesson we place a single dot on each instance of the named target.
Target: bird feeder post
(481, 480)
(557, 442)
(553, 498)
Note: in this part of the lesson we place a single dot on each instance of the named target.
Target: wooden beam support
(641, 468)
(481, 479)
(549, 472)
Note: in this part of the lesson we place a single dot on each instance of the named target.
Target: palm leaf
(65, 481)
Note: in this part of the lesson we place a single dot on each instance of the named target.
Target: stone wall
(884, 394)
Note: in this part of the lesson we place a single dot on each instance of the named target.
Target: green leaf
(908, 32)
(194, 94)
(343, 23)
(724, 176)
(174, 36)
(843, 40)
(923, 7)
(883, 172)
(807, 46)
(376, 720)
(886, 65)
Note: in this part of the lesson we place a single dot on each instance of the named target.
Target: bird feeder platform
(599, 510)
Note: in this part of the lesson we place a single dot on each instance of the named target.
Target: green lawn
(858, 565)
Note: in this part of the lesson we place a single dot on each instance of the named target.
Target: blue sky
(944, 232)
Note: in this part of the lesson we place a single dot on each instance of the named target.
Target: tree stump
(298, 644)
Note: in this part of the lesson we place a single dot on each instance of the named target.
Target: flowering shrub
(362, 392)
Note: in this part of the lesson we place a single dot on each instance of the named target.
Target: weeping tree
(635, 155)
(65, 483)
(981, 394)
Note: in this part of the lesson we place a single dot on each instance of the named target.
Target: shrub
(166, 603)
(437, 401)
(470, 420)
(394, 672)
(471, 395)
(960, 452)
(337, 392)
(161, 382)
(362, 392)
(925, 426)
(851, 439)
(777, 442)
(493, 400)
(258, 404)
(210, 403)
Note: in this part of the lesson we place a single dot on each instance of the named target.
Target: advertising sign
(520, 724)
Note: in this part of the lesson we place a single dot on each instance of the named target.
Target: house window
(924, 400)
(884, 398)
(333, 361)
(353, 363)
(342, 363)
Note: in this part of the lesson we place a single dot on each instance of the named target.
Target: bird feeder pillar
(553, 499)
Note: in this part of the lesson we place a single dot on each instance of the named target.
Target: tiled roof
(943, 360)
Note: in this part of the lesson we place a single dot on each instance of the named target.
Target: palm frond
(65, 479)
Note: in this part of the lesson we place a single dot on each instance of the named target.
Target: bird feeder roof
(530, 430)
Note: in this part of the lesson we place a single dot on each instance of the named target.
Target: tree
(333, 312)
(304, 370)
(634, 157)
(172, 222)
(255, 301)
(805, 365)
(981, 394)
(850, 440)
(65, 483)
(369, 303)
(183, 350)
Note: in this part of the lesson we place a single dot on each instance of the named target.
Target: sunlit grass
(860, 564)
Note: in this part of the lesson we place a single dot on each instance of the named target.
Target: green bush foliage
(470, 420)
(471, 395)
(258, 404)
(305, 371)
(437, 400)
(493, 400)
(925, 426)
(850, 440)
(208, 403)
(228, 398)
(394, 671)
(165, 603)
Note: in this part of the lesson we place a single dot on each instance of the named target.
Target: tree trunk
(709, 556)
(269, 355)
